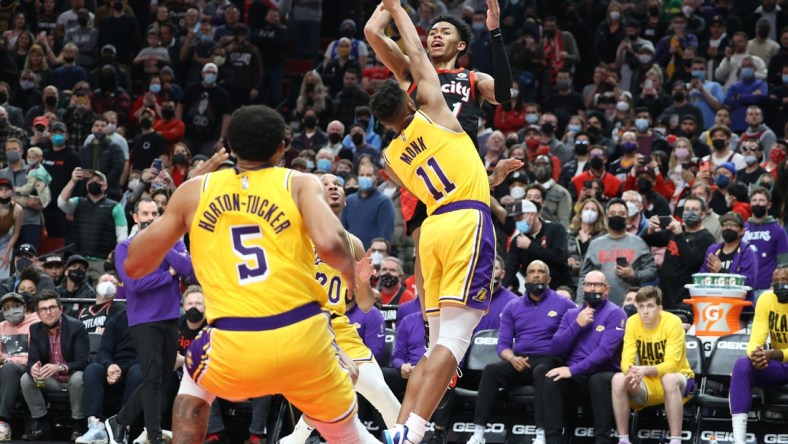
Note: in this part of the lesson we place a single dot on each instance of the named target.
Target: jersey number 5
(254, 267)
(448, 186)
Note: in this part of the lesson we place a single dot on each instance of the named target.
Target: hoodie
(770, 242)
(744, 262)
(15, 339)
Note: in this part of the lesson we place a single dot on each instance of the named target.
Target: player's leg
(372, 386)
(743, 378)
(190, 412)
(416, 378)
(620, 394)
(601, 406)
(418, 275)
(673, 385)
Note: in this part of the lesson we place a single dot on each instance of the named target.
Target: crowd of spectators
(653, 132)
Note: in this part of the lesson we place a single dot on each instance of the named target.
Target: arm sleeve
(505, 332)
(501, 70)
(629, 351)
(566, 335)
(760, 326)
(647, 269)
(675, 349)
(611, 340)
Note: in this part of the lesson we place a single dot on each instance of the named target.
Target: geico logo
(464, 427)
(587, 432)
(520, 429)
(390, 338)
(707, 346)
(486, 341)
(773, 438)
(724, 436)
(691, 345)
(657, 434)
(371, 426)
(728, 345)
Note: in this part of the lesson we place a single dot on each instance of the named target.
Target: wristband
(496, 33)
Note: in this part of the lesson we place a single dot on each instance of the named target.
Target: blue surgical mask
(573, 128)
(155, 88)
(699, 75)
(747, 73)
(531, 118)
(641, 124)
(722, 181)
(523, 226)
(365, 183)
(58, 139)
(324, 164)
(210, 78)
(478, 26)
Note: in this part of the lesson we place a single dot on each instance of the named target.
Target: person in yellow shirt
(762, 368)
(654, 366)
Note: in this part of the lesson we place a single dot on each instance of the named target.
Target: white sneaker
(5, 431)
(476, 440)
(292, 438)
(96, 434)
(539, 440)
(143, 438)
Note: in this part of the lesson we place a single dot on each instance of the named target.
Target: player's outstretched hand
(390, 5)
(503, 168)
(211, 164)
(364, 269)
(493, 15)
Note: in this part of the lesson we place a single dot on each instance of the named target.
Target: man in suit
(59, 352)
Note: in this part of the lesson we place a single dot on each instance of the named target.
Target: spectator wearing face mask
(11, 215)
(732, 255)
(14, 339)
(725, 176)
(367, 121)
(168, 126)
(767, 236)
(752, 150)
(392, 290)
(76, 284)
(369, 213)
(335, 132)
(54, 268)
(311, 136)
(25, 257)
(149, 145)
(96, 316)
(205, 109)
(597, 170)
(748, 91)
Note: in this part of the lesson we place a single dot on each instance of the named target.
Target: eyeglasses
(594, 285)
(750, 149)
(49, 309)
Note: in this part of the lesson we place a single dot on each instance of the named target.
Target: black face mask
(310, 87)
(719, 144)
(510, 143)
(310, 122)
(109, 266)
(83, 21)
(548, 128)
(180, 159)
(781, 290)
(5, 200)
(50, 101)
(76, 276)
(94, 189)
(730, 235)
(581, 149)
(334, 138)
(644, 185)
(592, 298)
(678, 96)
(22, 263)
(194, 315)
(118, 6)
(144, 225)
(630, 309)
(617, 223)
(3, 97)
(549, 33)
(653, 11)
(168, 113)
(596, 163)
(358, 138)
(535, 289)
(762, 32)
(758, 211)
(351, 190)
(388, 280)
(146, 123)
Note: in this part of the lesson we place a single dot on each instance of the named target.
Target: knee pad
(456, 345)
(189, 387)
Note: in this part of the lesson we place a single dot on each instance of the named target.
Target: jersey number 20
(448, 186)
(254, 267)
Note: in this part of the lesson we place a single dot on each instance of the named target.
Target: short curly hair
(389, 100)
(462, 29)
(255, 133)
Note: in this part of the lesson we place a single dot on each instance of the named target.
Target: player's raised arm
(429, 96)
(496, 88)
(385, 49)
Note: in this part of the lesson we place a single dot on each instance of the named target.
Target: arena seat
(388, 347)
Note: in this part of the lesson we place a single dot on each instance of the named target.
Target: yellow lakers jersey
(333, 283)
(250, 247)
(437, 165)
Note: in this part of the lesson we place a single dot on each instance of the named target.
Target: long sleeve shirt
(595, 347)
(370, 327)
(741, 95)
(771, 319)
(369, 216)
(492, 319)
(156, 296)
(527, 327)
(15, 339)
(770, 242)
(744, 262)
(116, 344)
(663, 347)
(409, 346)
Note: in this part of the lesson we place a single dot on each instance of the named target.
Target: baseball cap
(53, 259)
(730, 216)
(717, 19)
(27, 249)
(645, 170)
(208, 66)
(76, 258)
(109, 48)
(6, 183)
(59, 126)
(728, 166)
(689, 117)
(100, 175)
(518, 177)
(12, 295)
(41, 120)
(522, 207)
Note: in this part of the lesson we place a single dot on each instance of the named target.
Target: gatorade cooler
(717, 301)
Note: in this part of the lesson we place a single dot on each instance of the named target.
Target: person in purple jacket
(767, 236)
(525, 346)
(501, 296)
(370, 325)
(409, 347)
(153, 308)
(590, 339)
(732, 255)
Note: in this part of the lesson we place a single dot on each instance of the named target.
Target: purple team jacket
(492, 319)
(371, 327)
(744, 262)
(595, 348)
(409, 346)
(771, 246)
(157, 296)
(527, 327)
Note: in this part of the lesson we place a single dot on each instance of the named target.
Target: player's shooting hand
(390, 5)
(493, 15)
(364, 268)
(211, 164)
(504, 167)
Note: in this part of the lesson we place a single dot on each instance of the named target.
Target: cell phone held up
(664, 221)
(622, 262)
